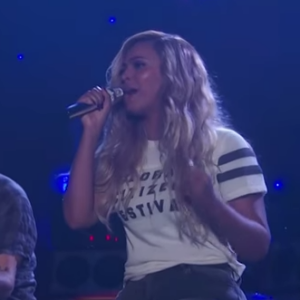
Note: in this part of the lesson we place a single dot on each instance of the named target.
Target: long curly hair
(191, 119)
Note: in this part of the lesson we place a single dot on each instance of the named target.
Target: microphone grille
(115, 93)
(118, 92)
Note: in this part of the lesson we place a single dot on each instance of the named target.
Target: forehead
(141, 50)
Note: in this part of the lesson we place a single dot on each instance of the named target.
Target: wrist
(90, 138)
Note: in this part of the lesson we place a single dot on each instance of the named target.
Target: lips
(130, 91)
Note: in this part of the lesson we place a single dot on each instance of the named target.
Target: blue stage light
(258, 296)
(112, 20)
(62, 180)
(278, 185)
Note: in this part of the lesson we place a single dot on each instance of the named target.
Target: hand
(94, 121)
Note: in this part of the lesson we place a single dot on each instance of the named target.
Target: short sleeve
(17, 225)
(238, 171)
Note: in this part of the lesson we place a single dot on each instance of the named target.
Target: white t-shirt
(153, 242)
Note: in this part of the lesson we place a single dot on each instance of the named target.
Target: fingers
(98, 91)
(95, 96)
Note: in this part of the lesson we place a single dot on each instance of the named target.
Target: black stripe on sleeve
(239, 172)
(234, 155)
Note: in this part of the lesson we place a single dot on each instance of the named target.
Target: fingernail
(191, 163)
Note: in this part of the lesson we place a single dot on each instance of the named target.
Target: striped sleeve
(239, 173)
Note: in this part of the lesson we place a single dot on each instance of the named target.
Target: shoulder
(12, 195)
(230, 143)
(229, 139)
(238, 172)
(8, 185)
(17, 223)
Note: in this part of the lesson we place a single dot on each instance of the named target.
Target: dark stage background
(51, 52)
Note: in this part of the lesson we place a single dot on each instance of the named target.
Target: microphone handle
(80, 109)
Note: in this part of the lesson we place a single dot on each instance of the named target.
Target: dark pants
(185, 282)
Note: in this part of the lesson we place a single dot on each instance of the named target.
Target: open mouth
(130, 92)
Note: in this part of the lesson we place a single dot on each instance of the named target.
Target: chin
(136, 112)
(136, 116)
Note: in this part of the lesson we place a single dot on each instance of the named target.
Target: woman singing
(188, 189)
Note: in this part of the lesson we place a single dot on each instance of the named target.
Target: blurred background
(51, 52)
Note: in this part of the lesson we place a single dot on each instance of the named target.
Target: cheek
(145, 79)
(151, 83)
(148, 77)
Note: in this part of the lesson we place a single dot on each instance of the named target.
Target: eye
(138, 65)
(122, 70)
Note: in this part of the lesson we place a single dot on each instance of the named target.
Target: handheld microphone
(80, 109)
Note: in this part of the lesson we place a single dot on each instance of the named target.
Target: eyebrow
(133, 58)
(136, 57)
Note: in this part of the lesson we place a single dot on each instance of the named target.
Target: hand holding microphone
(94, 106)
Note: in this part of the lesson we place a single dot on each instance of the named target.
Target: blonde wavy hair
(191, 118)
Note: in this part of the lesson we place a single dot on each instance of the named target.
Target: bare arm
(236, 213)
(8, 268)
(244, 224)
(79, 201)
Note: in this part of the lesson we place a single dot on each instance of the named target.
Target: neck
(153, 126)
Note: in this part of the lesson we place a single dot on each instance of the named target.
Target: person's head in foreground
(18, 238)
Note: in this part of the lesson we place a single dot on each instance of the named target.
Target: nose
(127, 74)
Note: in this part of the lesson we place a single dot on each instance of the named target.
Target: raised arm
(78, 204)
